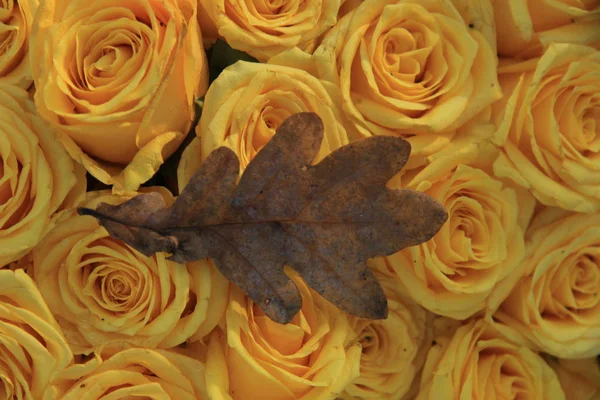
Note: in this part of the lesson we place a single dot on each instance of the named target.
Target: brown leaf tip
(88, 211)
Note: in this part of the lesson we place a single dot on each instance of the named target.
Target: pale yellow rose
(36, 175)
(134, 373)
(246, 104)
(266, 28)
(407, 67)
(312, 357)
(118, 80)
(579, 379)
(556, 304)
(481, 362)
(16, 17)
(33, 351)
(471, 264)
(549, 126)
(101, 291)
(525, 28)
(394, 349)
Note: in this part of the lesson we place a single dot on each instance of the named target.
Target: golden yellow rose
(134, 373)
(313, 357)
(408, 67)
(394, 349)
(246, 104)
(579, 379)
(36, 175)
(471, 264)
(15, 26)
(101, 291)
(556, 304)
(118, 80)
(548, 126)
(525, 28)
(482, 362)
(33, 350)
(266, 28)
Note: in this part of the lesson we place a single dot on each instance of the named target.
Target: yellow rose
(265, 28)
(247, 103)
(15, 25)
(579, 379)
(394, 349)
(33, 350)
(313, 357)
(409, 67)
(118, 80)
(525, 28)
(102, 291)
(36, 176)
(134, 373)
(471, 263)
(548, 125)
(482, 362)
(556, 303)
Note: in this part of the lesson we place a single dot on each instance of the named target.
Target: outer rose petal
(118, 80)
(33, 350)
(36, 175)
(471, 264)
(555, 305)
(548, 126)
(15, 27)
(245, 105)
(526, 28)
(580, 379)
(313, 357)
(479, 15)
(480, 362)
(264, 29)
(135, 373)
(103, 292)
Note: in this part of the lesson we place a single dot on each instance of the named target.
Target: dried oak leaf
(322, 220)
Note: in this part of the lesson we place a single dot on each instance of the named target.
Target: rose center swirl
(505, 372)
(269, 8)
(372, 339)
(109, 50)
(585, 281)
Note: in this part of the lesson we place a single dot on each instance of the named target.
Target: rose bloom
(579, 379)
(312, 357)
(246, 104)
(408, 67)
(15, 26)
(482, 362)
(118, 80)
(549, 121)
(103, 291)
(266, 28)
(471, 264)
(556, 305)
(33, 350)
(134, 373)
(36, 175)
(525, 28)
(394, 349)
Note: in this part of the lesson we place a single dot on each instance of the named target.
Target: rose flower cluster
(500, 101)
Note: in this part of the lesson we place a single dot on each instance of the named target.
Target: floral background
(499, 99)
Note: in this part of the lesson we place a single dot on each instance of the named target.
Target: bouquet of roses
(285, 199)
